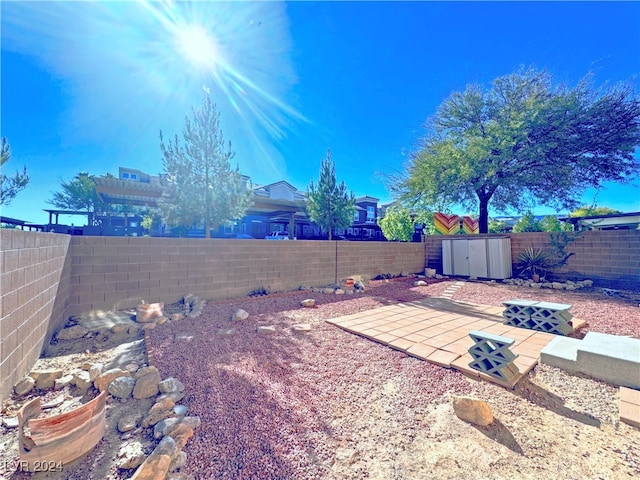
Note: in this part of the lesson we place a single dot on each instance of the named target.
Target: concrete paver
(437, 330)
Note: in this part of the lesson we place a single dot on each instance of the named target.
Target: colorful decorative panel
(446, 224)
(470, 226)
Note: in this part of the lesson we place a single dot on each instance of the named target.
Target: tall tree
(78, 194)
(397, 224)
(590, 211)
(523, 143)
(10, 186)
(201, 188)
(329, 204)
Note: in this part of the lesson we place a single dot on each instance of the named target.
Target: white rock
(24, 386)
(239, 314)
(301, 327)
(170, 384)
(122, 387)
(339, 291)
(267, 329)
(72, 333)
(308, 303)
(82, 380)
(10, 422)
(62, 382)
(419, 283)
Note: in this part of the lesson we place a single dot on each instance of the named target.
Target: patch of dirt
(329, 404)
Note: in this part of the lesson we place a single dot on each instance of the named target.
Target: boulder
(419, 283)
(24, 386)
(167, 446)
(82, 380)
(94, 370)
(72, 333)
(45, 379)
(178, 462)
(131, 455)
(339, 291)
(159, 411)
(62, 382)
(155, 467)
(145, 371)
(120, 328)
(557, 285)
(170, 384)
(239, 314)
(180, 410)
(181, 434)
(191, 422)
(267, 329)
(129, 422)
(148, 312)
(175, 396)
(103, 380)
(163, 427)
(473, 410)
(328, 290)
(147, 386)
(177, 317)
(308, 303)
(122, 387)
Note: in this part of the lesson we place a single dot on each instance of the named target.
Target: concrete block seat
(541, 316)
(611, 358)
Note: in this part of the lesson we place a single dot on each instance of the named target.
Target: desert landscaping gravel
(327, 404)
(330, 404)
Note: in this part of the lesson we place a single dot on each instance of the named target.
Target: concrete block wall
(118, 272)
(34, 288)
(611, 258)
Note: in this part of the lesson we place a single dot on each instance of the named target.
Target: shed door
(460, 257)
(478, 258)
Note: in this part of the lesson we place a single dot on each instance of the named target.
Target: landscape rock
(56, 402)
(129, 422)
(180, 410)
(10, 422)
(131, 455)
(159, 411)
(155, 467)
(147, 385)
(120, 328)
(163, 427)
(82, 380)
(167, 446)
(122, 387)
(170, 384)
(225, 331)
(175, 396)
(133, 329)
(94, 370)
(308, 303)
(24, 386)
(339, 291)
(301, 327)
(161, 320)
(72, 333)
(419, 283)
(45, 379)
(181, 434)
(176, 317)
(62, 382)
(473, 410)
(148, 326)
(359, 286)
(178, 462)
(103, 380)
(180, 476)
(191, 422)
(267, 329)
(328, 290)
(148, 312)
(239, 314)
(145, 371)
(557, 286)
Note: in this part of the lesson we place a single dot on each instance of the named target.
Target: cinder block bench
(541, 316)
(492, 356)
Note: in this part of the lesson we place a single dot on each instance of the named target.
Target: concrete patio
(437, 330)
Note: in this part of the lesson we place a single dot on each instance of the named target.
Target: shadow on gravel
(501, 434)
(544, 398)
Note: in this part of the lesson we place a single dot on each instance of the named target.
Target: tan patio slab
(442, 337)
(630, 406)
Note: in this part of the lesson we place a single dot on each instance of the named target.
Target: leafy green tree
(590, 211)
(397, 224)
(497, 226)
(527, 223)
(78, 194)
(201, 187)
(551, 223)
(10, 186)
(523, 143)
(329, 204)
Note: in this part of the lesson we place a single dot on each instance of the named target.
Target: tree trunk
(330, 231)
(483, 218)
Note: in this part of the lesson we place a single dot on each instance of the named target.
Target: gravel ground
(329, 404)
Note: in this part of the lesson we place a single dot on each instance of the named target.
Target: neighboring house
(616, 221)
(277, 207)
(365, 220)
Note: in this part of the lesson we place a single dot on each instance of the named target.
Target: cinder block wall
(118, 272)
(610, 258)
(34, 289)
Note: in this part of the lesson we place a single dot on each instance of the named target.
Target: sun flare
(195, 45)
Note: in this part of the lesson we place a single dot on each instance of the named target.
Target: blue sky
(88, 86)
